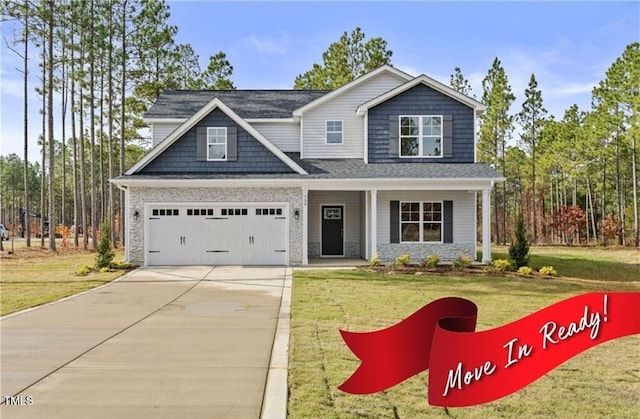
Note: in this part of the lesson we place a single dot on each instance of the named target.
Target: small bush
(432, 261)
(519, 249)
(501, 265)
(375, 260)
(525, 270)
(402, 260)
(121, 265)
(461, 262)
(84, 270)
(105, 270)
(548, 271)
(105, 253)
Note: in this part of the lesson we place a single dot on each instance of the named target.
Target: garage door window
(165, 212)
(268, 211)
(234, 211)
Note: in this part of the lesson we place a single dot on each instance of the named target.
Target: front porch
(353, 225)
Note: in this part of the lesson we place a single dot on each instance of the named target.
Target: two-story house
(383, 165)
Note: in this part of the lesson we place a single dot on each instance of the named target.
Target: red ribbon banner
(467, 367)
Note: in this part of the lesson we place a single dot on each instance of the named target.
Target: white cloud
(269, 45)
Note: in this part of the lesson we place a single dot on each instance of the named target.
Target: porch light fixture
(296, 214)
(136, 214)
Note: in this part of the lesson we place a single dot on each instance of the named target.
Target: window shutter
(201, 143)
(394, 226)
(394, 136)
(447, 234)
(232, 143)
(447, 136)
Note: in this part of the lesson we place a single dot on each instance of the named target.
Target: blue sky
(568, 45)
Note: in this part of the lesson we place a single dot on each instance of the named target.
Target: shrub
(84, 270)
(525, 270)
(432, 261)
(519, 249)
(105, 254)
(548, 271)
(461, 262)
(121, 265)
(402, 260)
(105, 270)
(501, 265)
(375, 260)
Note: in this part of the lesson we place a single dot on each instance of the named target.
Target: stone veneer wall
(138, 197)
(351, 250)
(447, 252)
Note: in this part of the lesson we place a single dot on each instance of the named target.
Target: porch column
(374, 222)
(305, 226)
(486, 226)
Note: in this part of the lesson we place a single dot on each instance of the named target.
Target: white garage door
(216, 234)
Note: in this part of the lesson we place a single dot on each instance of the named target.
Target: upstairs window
(216, 143)
(421, 136)
(334, 132)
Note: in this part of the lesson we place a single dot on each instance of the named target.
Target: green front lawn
(601, 382)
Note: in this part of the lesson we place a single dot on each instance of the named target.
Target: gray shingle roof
(353, 169)
(246, 103)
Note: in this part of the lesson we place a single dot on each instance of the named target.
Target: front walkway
(158, 343)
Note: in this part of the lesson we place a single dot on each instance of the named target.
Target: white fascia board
(197, 117)
(163, 120)
(320, 184)
(362, 79)
(427, 81)
(271, 120)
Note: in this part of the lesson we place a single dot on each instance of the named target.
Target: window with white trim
(216, 143)
(334, 132)
(421, 136)
(420, 222)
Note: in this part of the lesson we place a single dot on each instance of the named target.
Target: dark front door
(332, 230)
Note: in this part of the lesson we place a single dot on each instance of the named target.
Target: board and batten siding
(161, 130)
(343, 108)
(284, 135)
(351, 217)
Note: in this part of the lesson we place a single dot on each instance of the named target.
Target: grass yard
(603, 381)
(35, 276)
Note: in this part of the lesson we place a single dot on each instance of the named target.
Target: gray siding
(421, 100)
(180, 157)
(161, 130)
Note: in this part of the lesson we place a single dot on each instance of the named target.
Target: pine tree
(532, 118)
(459, 83)
(104, 254)
(344, 61)
(519, 249)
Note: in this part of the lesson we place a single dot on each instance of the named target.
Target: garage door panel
(217, 234)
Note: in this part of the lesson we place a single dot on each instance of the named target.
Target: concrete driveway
(162, 342)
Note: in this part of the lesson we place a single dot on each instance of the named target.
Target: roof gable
(215, 103)
(349, 86)
(427, 81)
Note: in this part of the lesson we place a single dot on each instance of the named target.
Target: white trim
(197, 117)
(486, 225)
(421, 222)
(164, 120)
(344, 232)
(420, 135)
(226, 144)
(325, 184)
(326, 131)
(127, 225)
(270, 120)
(366, 138)
(362, 79)
(427, 81)
(374, 222)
